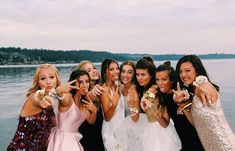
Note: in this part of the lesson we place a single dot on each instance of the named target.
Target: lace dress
(212, 126)
(33, 131)
(65, 136)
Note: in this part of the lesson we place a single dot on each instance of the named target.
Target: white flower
(200, 80)
(53, 93)
(39, 94)
(149, 95)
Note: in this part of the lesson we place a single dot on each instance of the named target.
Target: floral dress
(33, 132)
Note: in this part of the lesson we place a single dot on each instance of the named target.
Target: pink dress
(65, 136)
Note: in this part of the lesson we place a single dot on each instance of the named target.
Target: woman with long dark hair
(209, 121)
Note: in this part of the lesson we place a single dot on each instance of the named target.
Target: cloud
(163, 26)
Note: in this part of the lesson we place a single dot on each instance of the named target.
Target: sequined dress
(212, 126)
(33, 132)
(65, 136)
(187, 133)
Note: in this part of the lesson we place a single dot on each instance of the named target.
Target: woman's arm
(134, 103)
(91, 111)
(109, 103)
(162, 116)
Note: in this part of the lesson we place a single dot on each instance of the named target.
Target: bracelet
(187, 105)
(53, 93)
(134, 109)
(200, 80)
(180, 110)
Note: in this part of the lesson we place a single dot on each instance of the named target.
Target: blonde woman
(37, 117)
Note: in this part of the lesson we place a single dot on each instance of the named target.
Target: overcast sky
(132, 26)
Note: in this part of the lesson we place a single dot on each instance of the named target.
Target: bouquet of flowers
(40, 94)
(150, 105)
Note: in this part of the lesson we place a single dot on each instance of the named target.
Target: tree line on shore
(16, 56)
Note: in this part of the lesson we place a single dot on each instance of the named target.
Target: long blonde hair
(80, 67)
(82, 63)
(35, 83)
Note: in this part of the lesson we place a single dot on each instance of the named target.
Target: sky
(130, 26)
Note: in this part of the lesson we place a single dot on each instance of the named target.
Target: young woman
(165, 80)
(128, 79)
(209, 121)
(95, 90)
(112, 103)
(37, 117)
(129, 134)
(73, 111)
(159, 133)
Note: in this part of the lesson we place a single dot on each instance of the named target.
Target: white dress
(109, 128)
(145, 136)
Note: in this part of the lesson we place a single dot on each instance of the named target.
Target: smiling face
(163, 81)
(112, 73)
(127, 74)
(47, 79)
(83, 83)
(187, 73)
(143, 77)
(91, 69)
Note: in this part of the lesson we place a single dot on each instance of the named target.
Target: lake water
(15, 80)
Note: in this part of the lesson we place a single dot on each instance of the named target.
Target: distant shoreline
(75, 64)
(19, 56)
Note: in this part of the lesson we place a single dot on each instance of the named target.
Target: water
(15, 80)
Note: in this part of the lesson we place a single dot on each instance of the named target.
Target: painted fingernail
(209, 101)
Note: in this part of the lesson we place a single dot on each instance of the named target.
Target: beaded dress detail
(212, 126)
(33, 131)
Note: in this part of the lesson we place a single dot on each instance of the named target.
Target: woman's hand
(96, 91)
(66, 87)
(159, 111)
(207, 93)
(89, 105)
(114, 96)
(47, 102)
(180, 95)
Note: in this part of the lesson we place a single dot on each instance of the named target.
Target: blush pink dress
(65, 137)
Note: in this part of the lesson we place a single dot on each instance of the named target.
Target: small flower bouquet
(40, 94)
(150, 105)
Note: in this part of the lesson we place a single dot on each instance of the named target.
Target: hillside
(15, 56)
